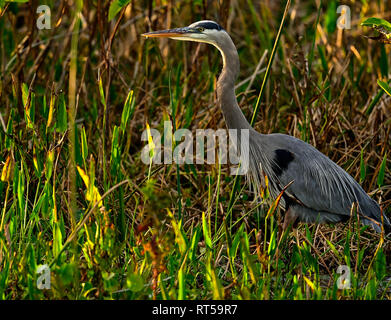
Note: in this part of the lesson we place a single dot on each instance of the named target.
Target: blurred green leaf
(66, 273)
(331, 16)
(384, 85)
(205, 229)
(8, 140)
(213, 280)
(382, 26)
(383, 61)
(57, 239)
(127, 111)
(272, 244)
(62, 116)
(84, 145)
(115, 7)
(374, 101)
(28, 99)
(378, 24)
(20, 190)
(181, 280)
(194, 243)
(25, 94)
(51, 112)
(135, 282)
(180, 237)
(380, 265)
(49, 164)
(115, 152)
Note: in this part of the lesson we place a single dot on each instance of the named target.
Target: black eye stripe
(209, 25)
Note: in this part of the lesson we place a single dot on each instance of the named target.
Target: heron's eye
(200, 29)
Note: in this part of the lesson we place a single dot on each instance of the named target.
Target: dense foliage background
(74, 194)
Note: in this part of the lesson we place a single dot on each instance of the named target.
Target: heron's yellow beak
(171, 33)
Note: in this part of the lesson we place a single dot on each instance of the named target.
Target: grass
(75, 195)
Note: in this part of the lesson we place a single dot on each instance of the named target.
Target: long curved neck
(226, 97)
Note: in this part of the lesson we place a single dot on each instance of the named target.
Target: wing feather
(319, 183)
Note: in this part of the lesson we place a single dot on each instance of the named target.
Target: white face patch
(209, 35)
(197, 37)
(206, 36)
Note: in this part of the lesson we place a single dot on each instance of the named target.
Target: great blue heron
(321, 191)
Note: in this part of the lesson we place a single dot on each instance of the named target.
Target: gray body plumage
(321, 191)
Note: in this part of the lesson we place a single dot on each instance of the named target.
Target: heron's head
(206, 31)
(202, 31)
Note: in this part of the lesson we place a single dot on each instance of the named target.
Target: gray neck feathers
(233, 116)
